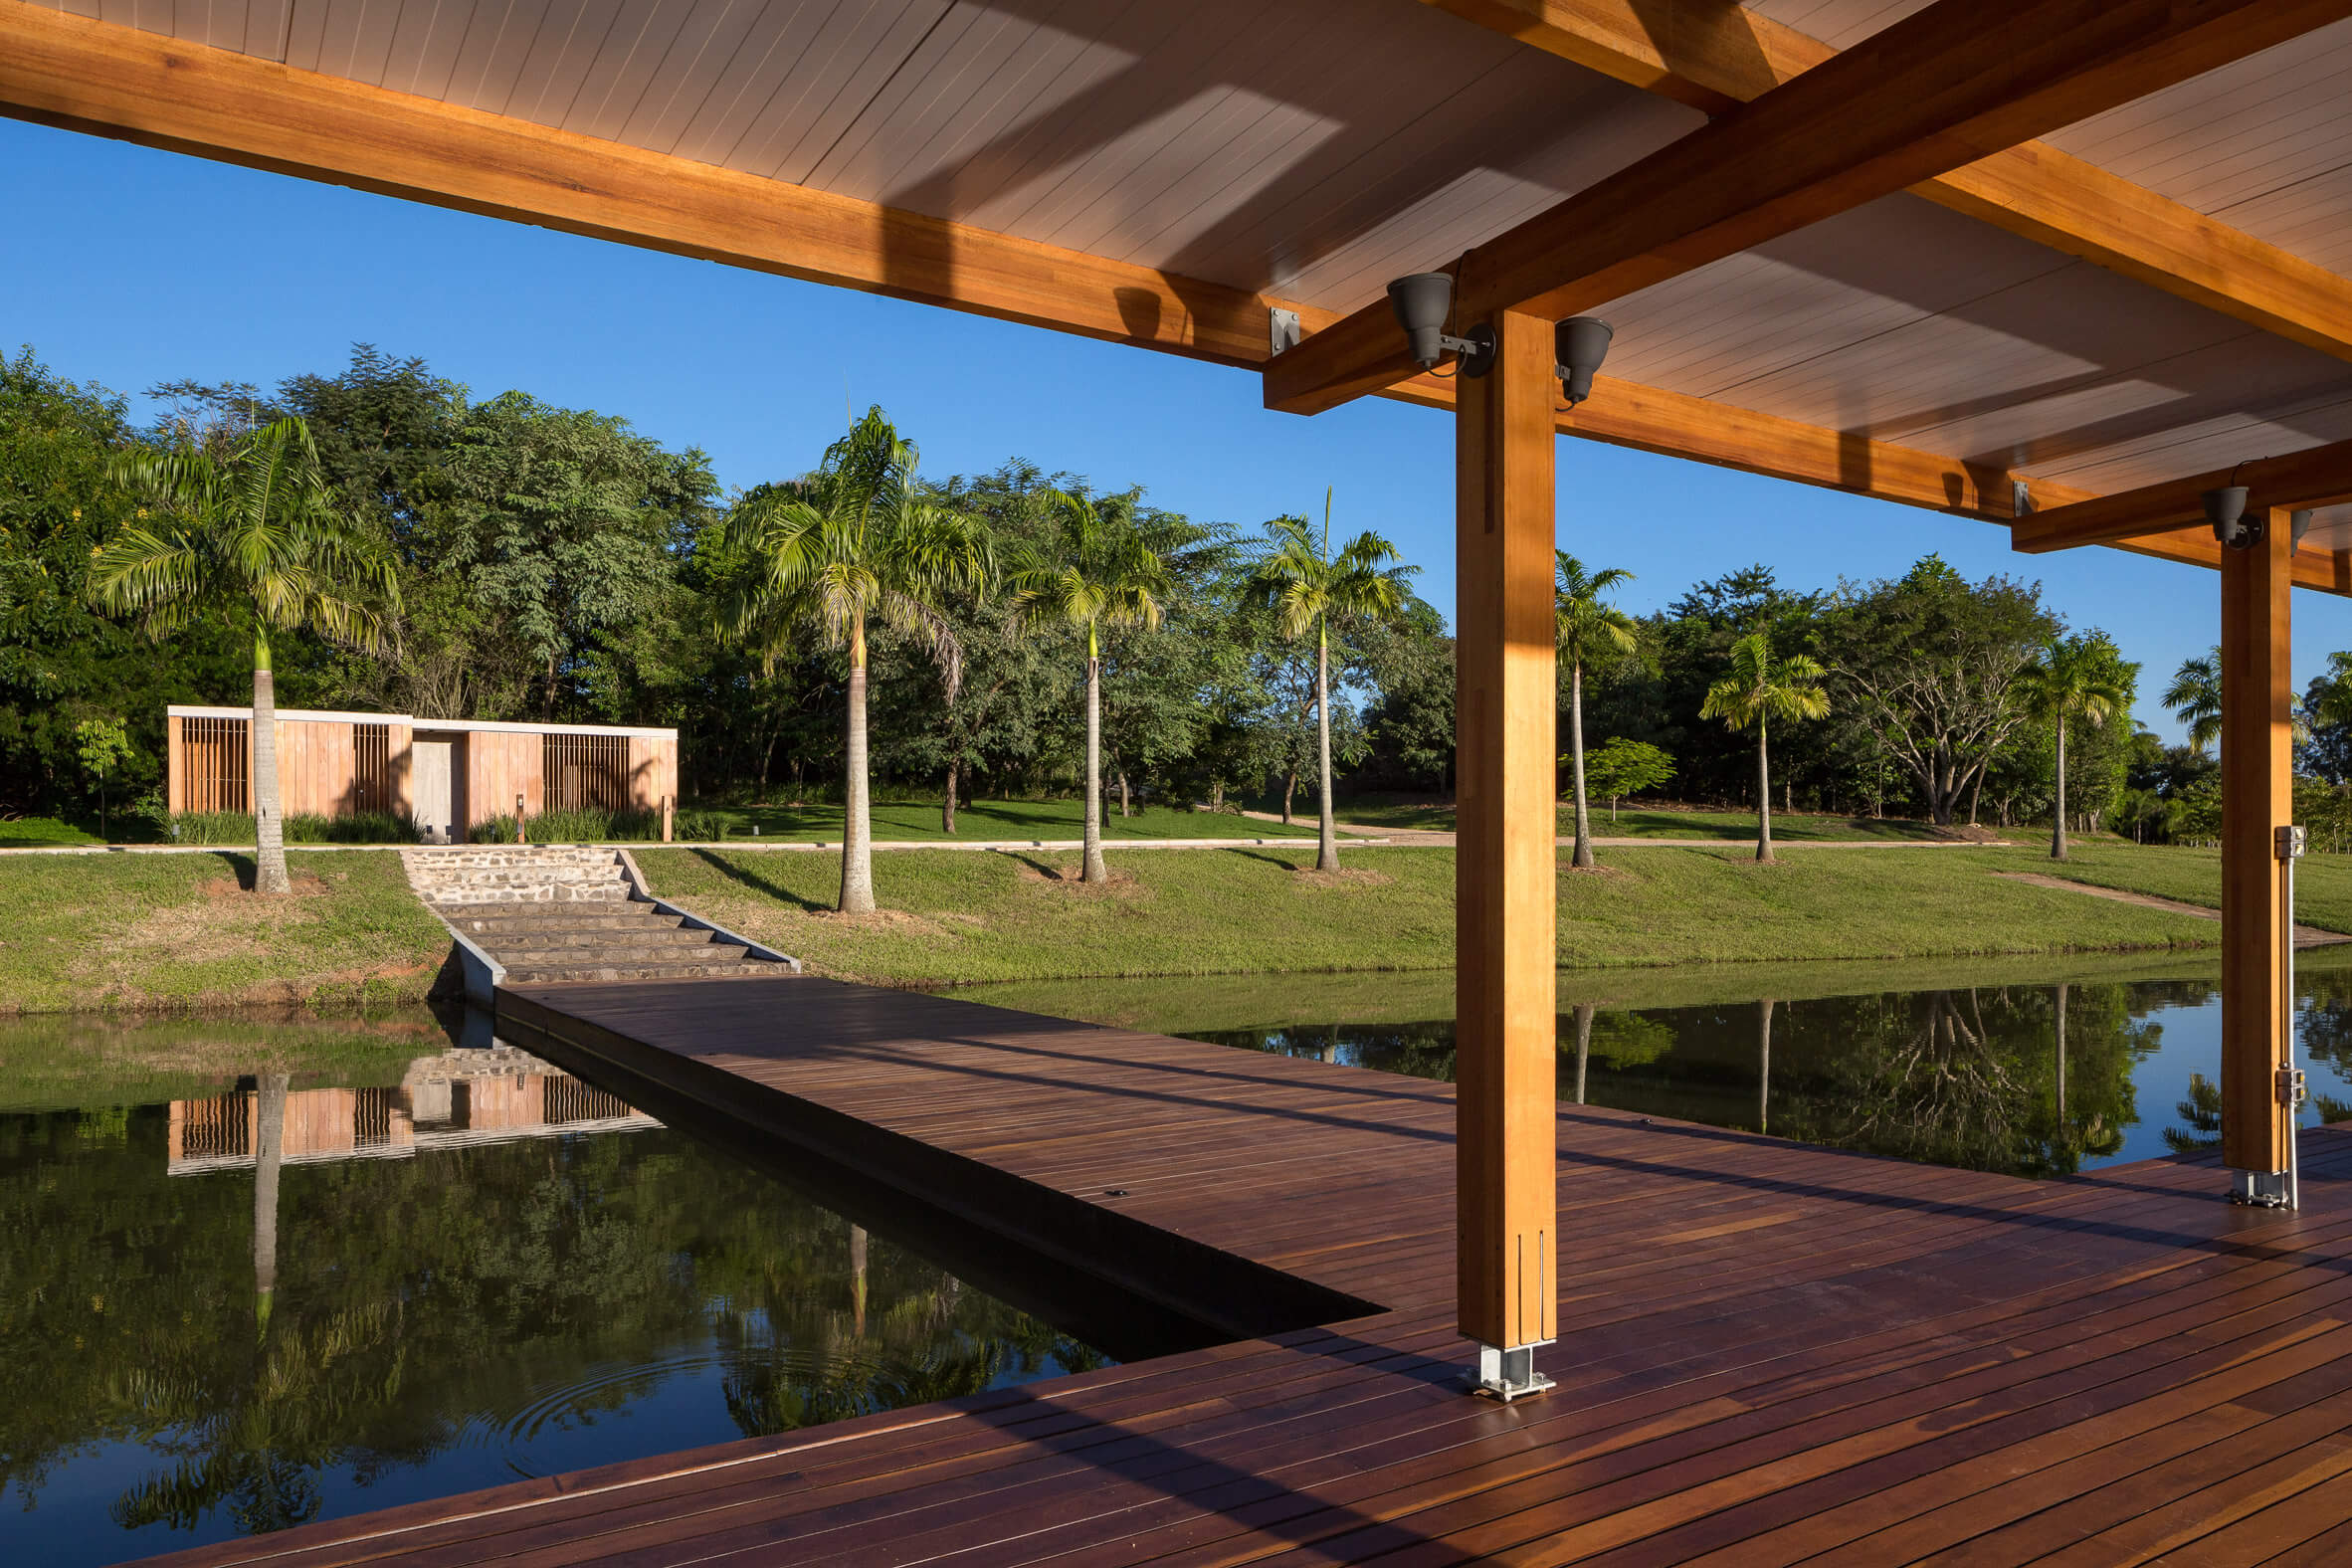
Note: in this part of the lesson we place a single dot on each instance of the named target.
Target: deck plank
(1770, 1353)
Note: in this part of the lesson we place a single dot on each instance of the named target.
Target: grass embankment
(959, 918)
(34, 833)
(1729, 827)
(176, 931)
(992, 819)
(2323, 882)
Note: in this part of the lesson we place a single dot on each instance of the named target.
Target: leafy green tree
(1105, 566)
(1930, 662)
(1623, 767)
(62, 660)
(857, 539)
(1308, 587)
(557, 528)
(1758, 690)
(2076, 679)
(1587, 634)
(1409, 724)
(254, 531)
(2195, 698)
(102, 745)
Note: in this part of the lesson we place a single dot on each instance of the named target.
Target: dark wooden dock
(1769, 1353)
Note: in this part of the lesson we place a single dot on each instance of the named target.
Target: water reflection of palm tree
(1584, 1043)
(1764, 1064)
(857, 1278)
(2202, 1111)
(268, 1154)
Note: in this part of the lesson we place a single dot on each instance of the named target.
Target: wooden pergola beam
(1934, 91)
(1716, 57)
(113, 81)
(2318, 477)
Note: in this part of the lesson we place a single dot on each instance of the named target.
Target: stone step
(509, 855)
(701, 971)
(518, 876)
(607, 948)
(520, 922)
(543, 893)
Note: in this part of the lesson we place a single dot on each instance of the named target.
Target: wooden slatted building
(2059, 266)
(446, 774)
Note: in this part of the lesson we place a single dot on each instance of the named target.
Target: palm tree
(1758, 690)
(255, 531)
(856, 540)
(2195, 698)
(1107, 567)
(2076, 678)
(1588, 632)
(1307, 586)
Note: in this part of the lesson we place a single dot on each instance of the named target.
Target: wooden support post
(1506, 1112)
(2257, 800)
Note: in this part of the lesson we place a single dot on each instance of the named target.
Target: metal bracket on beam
(2261, 1190)
(2021, 497)
(1508, 1374)
(1282, 330)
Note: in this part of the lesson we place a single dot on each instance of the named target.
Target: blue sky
(133, 266)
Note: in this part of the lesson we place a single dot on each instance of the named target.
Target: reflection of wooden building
(453, 1100)
(448, 774)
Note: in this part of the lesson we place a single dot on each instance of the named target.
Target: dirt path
(2306, 936)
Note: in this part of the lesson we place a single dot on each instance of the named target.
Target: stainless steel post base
(1507, 1374)
(2262, 1189)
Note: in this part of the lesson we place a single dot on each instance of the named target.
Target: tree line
(1016, 632)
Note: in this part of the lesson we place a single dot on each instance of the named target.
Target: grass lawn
(2323, 882)
(957, 918)
(995, 819)
(1732, 827)
(29, 833)
(175, 931)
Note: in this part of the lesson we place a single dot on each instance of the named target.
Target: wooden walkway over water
(1769, 1353)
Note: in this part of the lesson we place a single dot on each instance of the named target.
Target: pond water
(252, 1275)
(1958, 1064)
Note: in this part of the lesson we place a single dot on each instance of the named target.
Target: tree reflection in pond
(232, 1322)
(2027, 1079)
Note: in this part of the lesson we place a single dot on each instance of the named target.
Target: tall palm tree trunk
(1095, 870)
(2058, 818)
(857, 815)
(1327, 840)
(269, 818)
(947, 801)
(1583, 857)
(1763, 796)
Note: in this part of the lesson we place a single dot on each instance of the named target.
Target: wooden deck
(1769, 1353)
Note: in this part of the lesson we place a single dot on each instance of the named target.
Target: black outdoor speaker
(1579, 344)
(1421, 301)
(2224, 509)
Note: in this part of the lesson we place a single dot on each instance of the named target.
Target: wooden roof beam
(2318, 477)
(114, 81)
(1716, 57)
(1938, 90)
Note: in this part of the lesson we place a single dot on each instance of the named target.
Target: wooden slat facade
(1768, 1354)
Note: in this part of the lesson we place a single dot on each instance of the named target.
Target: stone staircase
(563, 912)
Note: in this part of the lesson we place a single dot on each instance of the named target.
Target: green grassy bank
(904, 819)
(175, 931)
(958, 918)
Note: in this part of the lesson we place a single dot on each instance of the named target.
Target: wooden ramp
(1769, 1353)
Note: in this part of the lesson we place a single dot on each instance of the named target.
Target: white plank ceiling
(1314, 148)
